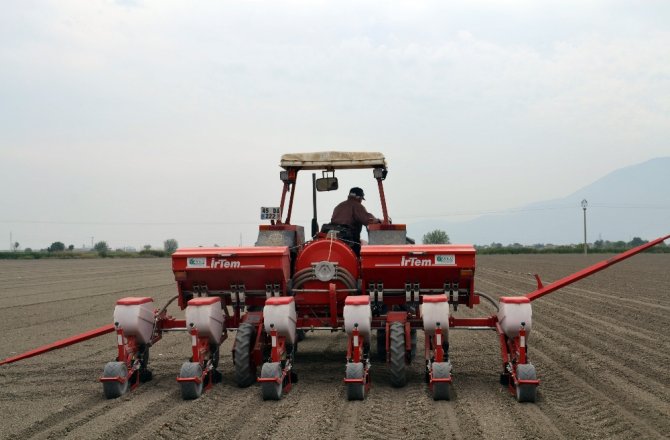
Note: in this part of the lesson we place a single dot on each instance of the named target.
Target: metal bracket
(238, 293)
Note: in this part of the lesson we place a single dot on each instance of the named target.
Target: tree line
(57, 249)
(439, 236)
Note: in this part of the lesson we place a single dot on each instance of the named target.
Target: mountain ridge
(632, 201)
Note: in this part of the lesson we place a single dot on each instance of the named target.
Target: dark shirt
(351, 212)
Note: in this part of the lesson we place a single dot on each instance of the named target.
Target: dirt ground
(601, 348)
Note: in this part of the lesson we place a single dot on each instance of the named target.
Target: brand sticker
(414, 261)
(196, 262)
(225, 264)
(445, 260)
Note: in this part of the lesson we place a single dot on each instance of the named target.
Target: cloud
(486, 96)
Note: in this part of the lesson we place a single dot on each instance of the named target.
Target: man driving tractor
(350, 216)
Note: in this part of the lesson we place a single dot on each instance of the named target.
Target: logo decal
(414, 261)
(200, 262)
(445, 260)
(224, 264)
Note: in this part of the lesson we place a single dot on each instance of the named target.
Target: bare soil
(600, 346)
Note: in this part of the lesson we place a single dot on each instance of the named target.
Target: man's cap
(357, 192)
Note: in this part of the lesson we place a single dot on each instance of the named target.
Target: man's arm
(362, 216)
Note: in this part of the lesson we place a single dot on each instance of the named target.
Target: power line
(433, 215)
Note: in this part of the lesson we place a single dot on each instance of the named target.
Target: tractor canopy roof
(333, 160)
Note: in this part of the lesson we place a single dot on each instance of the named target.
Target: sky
(136, 121)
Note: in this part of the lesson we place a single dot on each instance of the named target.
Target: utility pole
(91, 242)
(585, 204)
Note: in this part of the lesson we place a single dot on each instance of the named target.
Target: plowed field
(601, 348)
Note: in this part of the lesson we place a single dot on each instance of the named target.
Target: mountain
(630, 202)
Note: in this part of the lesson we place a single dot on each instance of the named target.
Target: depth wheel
(526, 393)
(397, 354)
(441, 390)
(191, 390)
(245, 369)
(115, 389)
(355, 391)
(271, 390)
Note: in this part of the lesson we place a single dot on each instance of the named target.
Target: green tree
(147, 247)
(56, 246)
(170, 245)
(101, 248)
(637, 241)
(70, 248)
(437, 236)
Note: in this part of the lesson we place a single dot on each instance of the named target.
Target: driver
(352, 214)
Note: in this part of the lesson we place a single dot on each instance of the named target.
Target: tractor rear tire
(115, 389)
(271, 390)
(355, 391)
(245, 369)
(397, 354)
(441, 390)
(526, 393)
(191, 390)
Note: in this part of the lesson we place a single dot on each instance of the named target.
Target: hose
(488, 298)
(162, 310)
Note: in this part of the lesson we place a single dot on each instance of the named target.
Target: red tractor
(275, 291)
(285, 285)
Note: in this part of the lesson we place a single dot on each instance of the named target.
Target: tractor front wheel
(245, 369)
(397, 354)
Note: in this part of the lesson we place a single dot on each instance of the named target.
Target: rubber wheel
(355, 391)
(381, 344)
(191, 390)
(115, 389)
(245, 369)
(526, 393)
(271, 390)
(397, 354)
(441, 390)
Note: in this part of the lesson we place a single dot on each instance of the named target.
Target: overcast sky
(135, 121)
